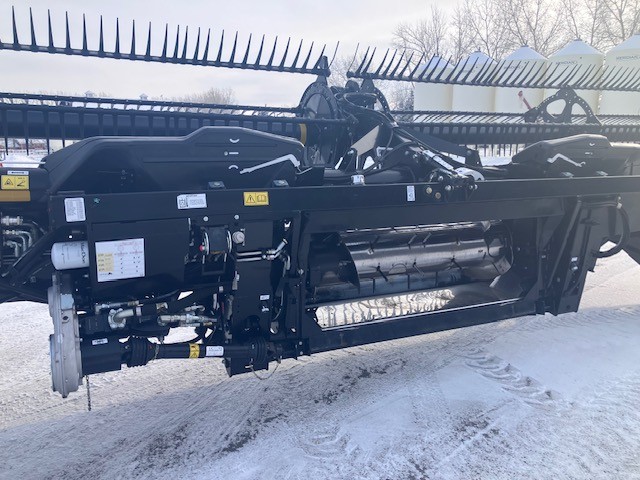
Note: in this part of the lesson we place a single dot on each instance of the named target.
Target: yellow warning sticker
(194, 350)
(15, 182)
(256, 199)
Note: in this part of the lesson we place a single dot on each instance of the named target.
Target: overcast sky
(369, 22)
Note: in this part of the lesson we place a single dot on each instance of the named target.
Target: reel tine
(393, 72)
(621, 78)
(219, 57)
(295, 59)
(551, 82)
(197, 49)
(634, 81)
(85, 50)
(597, 73)
(485, 75)
(205, 54)
(567, 76)
(501, 80)
(132, 52)
(537, 78)
(444, 67)
(164, 44)
(284, 55)
(273, 53)
(16, 42)
(426, 73)
(457, 68)
(147, 53)
(34, 44)
(362, 62)
(603, 80)
(306, 60)
(319, 60)
(373, 54)
(177, 45)
(418, 63)
(117, 49)
(335, 52)
(186, 43)
(100, 39)
(232, 57)
(51, 46)
(579, 82)
(259, 56)
(377, 72)
(68, 38)
(245, 59)
(406, 65)
(523, 79)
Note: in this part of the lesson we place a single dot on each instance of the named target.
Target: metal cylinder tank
(587, 60)
(433, 96)
(623, 56)
(468, 98)
(525, 64)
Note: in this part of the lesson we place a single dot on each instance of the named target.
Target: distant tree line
(498, 27)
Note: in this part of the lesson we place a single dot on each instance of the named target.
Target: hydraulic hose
(624, 237)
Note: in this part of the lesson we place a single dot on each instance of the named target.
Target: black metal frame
(570, 220)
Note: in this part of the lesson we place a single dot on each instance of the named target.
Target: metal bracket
(570, 98)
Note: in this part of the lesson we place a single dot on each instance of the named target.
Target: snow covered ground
(529, 398)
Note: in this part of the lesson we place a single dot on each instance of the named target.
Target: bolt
(205, 219)
(438, 195)
(300, 343)
(448, 188)
(293, 330)
(238, 237)
(236, 217)
(301, 353)
(300, 271)
(429, 190)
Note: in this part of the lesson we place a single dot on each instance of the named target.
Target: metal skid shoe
(64, 344)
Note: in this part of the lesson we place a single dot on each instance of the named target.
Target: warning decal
(120, 259)
(256, 199)
(15, 182)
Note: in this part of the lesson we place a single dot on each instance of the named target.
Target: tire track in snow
(512, 380)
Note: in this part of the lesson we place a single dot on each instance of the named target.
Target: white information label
(120, 259)
(74, 210)
(215, 351)
(99, 341)
(411, 193)
(192, 200)
(18, 172)
(265, 297)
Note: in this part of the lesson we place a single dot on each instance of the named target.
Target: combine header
(281, 232)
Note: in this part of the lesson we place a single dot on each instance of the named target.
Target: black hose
(624, 237)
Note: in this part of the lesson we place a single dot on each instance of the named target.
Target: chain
(88, 393)
(266, 377)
